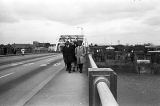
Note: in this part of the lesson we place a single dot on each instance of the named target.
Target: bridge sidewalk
(65, 89)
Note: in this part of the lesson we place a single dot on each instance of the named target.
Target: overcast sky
(103, 21)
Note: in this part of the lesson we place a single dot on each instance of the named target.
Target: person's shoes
(69, 71)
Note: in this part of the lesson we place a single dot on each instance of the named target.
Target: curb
(35, 90)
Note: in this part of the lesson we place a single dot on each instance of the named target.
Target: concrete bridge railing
(102, 85)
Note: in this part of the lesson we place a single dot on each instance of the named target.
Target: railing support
(97, 78)
(106, 97)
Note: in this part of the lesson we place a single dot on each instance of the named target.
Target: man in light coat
(80, 52)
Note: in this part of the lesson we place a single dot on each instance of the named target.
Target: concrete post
(96, 75)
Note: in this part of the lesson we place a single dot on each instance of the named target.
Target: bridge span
(41, 80)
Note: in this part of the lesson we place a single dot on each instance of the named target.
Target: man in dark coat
(132, 56)
(68, 55)
(73, 64)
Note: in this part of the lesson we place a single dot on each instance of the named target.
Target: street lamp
(84, 37)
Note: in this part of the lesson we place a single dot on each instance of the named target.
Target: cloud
(103, 20)
(6, 18)
(54, 11)
(6, 15)
(79, 12)
(153, 21)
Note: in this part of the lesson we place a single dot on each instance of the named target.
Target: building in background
(40, 47)
(28, 48)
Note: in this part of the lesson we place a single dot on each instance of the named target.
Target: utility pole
(81, 30)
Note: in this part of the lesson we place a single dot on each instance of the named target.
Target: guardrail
(102, 85)
(91, 61)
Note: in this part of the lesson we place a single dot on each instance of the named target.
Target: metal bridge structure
(63, 38)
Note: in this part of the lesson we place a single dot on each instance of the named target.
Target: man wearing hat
(68, 55)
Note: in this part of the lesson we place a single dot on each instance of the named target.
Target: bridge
(42, 80)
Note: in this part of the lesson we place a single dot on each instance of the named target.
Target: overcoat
(68, 53)
(80, 52)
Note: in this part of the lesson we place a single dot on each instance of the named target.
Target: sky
(103, 21)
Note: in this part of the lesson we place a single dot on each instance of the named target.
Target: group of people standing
(74, 56)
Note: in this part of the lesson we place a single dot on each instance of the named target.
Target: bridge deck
(65, 89)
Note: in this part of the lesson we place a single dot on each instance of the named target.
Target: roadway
(65, 89)
(23, 76)
(17, 58)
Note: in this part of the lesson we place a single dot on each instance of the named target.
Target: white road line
(6, 75)
(50, 60)
(43, 65)
(28, 64)
(56, 64)
(15, 64)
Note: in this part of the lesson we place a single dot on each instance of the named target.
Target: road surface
(22, 76)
